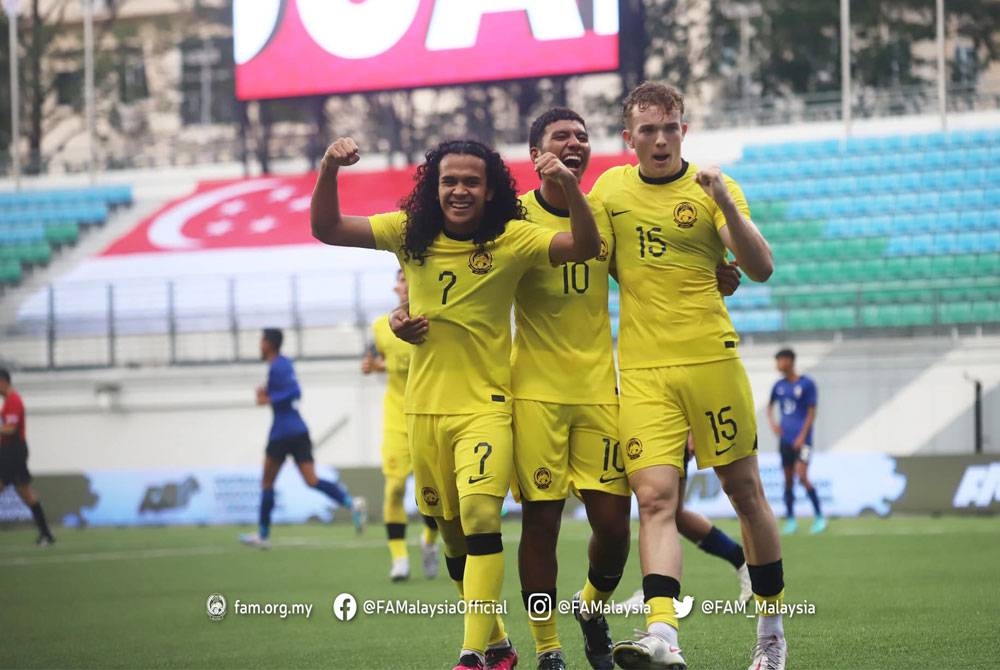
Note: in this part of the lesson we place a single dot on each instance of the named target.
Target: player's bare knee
(452, 536)
(541, 520)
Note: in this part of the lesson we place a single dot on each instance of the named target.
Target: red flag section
(274, 211)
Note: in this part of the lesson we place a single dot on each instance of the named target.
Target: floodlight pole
(942, 76)
(845, 64)
(11, 7)
(88, 83)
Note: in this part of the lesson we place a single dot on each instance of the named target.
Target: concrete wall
(895, 396)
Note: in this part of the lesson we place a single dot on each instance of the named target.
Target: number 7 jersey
(466, 291)
(667, 250)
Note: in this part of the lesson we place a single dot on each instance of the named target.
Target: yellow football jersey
(397, 354)
(668, 247)
(562, 342)
(466, 292)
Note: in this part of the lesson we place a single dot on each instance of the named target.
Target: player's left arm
(283, 386)
(739, 234)
(583, 242)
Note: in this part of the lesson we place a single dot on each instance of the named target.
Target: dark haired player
(795, 396)
(464, 248)
(391, 355)
(14, 456)
(290, 437)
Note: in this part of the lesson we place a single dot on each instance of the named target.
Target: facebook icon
(345, 607)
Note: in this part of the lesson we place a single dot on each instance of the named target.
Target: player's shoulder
(808, 381)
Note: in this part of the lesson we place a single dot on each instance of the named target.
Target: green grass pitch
(889, 593)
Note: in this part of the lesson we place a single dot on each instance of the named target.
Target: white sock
(664, 630)
(770, 625)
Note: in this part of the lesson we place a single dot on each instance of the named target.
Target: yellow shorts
(459, 455)
(659, 405)
(396, 462)
(562, 447)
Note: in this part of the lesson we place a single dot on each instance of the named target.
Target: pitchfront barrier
(849, 485)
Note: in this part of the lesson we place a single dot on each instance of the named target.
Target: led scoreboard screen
(293, 48)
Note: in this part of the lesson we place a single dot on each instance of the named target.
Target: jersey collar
(456, 236)
(548, 207)
(667, 179)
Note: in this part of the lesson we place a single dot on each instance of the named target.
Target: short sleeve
(738, 198)
(811, 395)
(532, 240)
(388, 230)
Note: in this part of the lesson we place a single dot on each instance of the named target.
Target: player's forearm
(586, 239)
(750, 248)
(324, 210)
(808, 423)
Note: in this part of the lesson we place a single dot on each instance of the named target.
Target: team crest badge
(602, 255)
(543, 478)
(480, 261)
(634, 448)
(685, 215)
(430, 496)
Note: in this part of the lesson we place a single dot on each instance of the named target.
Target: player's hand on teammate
(711, 181)
(409, 329)
(728, 277)
(548, 166)
(344, 151)
(262, 397)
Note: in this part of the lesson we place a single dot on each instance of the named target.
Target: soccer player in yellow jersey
(392, 356)
(463, 250)
(566, 409)
(679, 366)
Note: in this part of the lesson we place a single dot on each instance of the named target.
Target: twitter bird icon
(683, 607)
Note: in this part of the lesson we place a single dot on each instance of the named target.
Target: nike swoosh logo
(608, 480)
(624, 211)
(719, 453)
(476, 480)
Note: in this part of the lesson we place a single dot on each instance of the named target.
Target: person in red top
(14, 456)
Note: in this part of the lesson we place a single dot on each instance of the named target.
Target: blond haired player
(679, 364)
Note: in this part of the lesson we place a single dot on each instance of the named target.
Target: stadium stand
(875, 232)
(35, 223)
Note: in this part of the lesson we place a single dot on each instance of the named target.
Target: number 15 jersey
(667, 248)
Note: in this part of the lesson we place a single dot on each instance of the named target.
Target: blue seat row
(987, 157)
(906, 182)
(866, 145)
(21, 234)
(912, 224)
(944, 243)
(877, 205)
(757, 320)
(95, 213)
(111, 196)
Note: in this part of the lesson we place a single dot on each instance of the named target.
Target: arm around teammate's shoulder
(329, 225)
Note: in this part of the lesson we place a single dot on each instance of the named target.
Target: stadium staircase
(34, 224)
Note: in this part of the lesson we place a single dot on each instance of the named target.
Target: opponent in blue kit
(289, 436)
(795, 396)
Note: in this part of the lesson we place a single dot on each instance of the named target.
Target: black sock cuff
(396, 531)
(660, 586)
(767, 580)
(430, 522)
(484, 544)
(456, 567)
(532, 596)
(603, 583)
